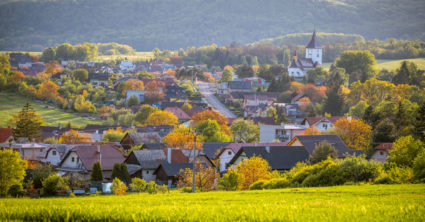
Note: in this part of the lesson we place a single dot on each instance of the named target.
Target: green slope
(31, 25)
(395, 64)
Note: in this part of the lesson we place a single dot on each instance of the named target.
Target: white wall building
(284, 132)
(313, 57)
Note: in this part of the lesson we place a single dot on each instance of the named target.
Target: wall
(225, 158)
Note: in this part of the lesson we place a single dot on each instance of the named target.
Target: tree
(405, 150)
(384, 131)
(155, 91)
(226, 76)
(322, 151)
(125, 176)
(83, 105)
(318, 73)
(115, 135)
(12, 170)
(40, 173)
(229, 181)
(210, 131)
(360, 65)
(53, 183)
(311, 131)
(81, 75)
(359, 109)
(355, 133)
(408, 73)
(144, 112)
(138, 184)
(116, 171)
(419, 167)
(403, 122)
(47, 90)
(48, 54)
(205, 177)
(17, 77)
(161, 117)
(212, 115)
(133, 101)
(75, 137)
(186, 107)
(334, 102)
(65, 51)
(118, 187)
(96, 173)
(182, 137)
(419, 123)
(145, 75)
(74, 181)
(120, 171)
(245, 131)
(132, 84)
(244, 71)
(251, 170)
(26, 123)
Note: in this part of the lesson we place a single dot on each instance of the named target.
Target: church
(313, 53)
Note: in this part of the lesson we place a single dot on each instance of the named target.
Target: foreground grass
(11, 104)
(343, 203)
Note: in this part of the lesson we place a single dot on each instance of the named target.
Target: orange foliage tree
(17, 77)
(182, 137)
(75, 137)
(252, 170)
(296, 87)
(204, 177)
(52, 67)
(161, 117)
(304, 103)
(132, 84)
(230, 68)
(155, 91)
(355, 133)
(208, 77)
(311, 131)
(170, 72)
(212, 115)
(47, 90)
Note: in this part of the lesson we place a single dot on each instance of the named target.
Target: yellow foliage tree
(296, 87)
(182, 137)
(161, 117)
(252, 170)
(132, 84)
(372, 91)
(355, 133)
(204, 177)
(47, 90)
(212, 115)
(311, 131)
(75, 137)
(17, 77)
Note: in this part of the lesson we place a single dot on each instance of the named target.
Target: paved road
(205, 89)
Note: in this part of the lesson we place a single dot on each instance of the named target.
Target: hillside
(32, 25)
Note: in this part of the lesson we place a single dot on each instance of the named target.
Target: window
(229, 153)
(147, 172)
(73, 159)
(381, 152)
(54, 153)
(325, 126)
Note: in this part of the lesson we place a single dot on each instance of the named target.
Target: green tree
(143, 113)
(322, 151)
(138, 184)
(245, 131)
(12, 170)
(81, 75)
(272, 112)
(40, 173)
(229, 181)
(96, 173)
(26, 123)
(405, 150)
(186, 107)
(318, 73)
(408, 73)
(65, 52)
(360, 65)
(384, 131)
(244, 71)
(359, 109)
(419, 123)
(210, 131)
(419, 167)
(125, 176)
(53, 183)
(133, 101)
(145, 75)
(226, 76)
(116, 171)
(120, 171)
(49, 54)
(334, 103)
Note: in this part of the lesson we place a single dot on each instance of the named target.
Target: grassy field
(395, 64)
(10, 104)
(138, 56)
(344, 203)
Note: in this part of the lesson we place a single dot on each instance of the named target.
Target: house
(257, 81)
(140, 94)
(82, 157)
(311, 141)
(18, 58)
(255, 111)
(382, 151)
(33, 152)
(127, 66)
(322, 123)
(6, 135)
(227, 153)
(55, 153)
(174, 91)
(134, 139)
(162, 130)
(168, 173)
(234, 86)
(313, 57)
(280, 158)
(179, 113)
(99, 79)
(283, 132)
(257, 99)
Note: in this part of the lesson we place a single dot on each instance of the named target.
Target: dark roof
(99, 76)
(173, 169)
(302, 63)
(279, 158)
(310, 142)
(240, 84)
(152, 146)
(264, 120)
(211, 149)
(148, 137)
(313, 44)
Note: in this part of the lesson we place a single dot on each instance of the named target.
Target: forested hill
(171, 24)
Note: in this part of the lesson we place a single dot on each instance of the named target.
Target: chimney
(169, 155)
(98, 148)
(267, 149)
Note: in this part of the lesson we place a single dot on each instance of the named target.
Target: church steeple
(313, 44)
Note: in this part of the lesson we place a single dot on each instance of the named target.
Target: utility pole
(193, 166)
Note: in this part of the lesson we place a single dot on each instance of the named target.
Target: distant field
(395, 64)
(10, 104)
(31, 53)
(343, 203)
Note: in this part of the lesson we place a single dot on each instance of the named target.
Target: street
(206, 90)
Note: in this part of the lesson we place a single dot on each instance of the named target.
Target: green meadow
(11, 104)
(390, 64)
(341, 203)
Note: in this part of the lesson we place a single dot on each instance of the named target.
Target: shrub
(405, 150)
(186, 189)
(118, 187)
(396, 175)
(301, 171)
(329, 175)
(152, 187)
(53, 183)
(259, 185)
(229, 181)
(322, 151)
(162, 189)
(419, 167)
(358, 169)
(72, 195)
(276, 183)
(138, 184)
(16, 190)
(39, 174)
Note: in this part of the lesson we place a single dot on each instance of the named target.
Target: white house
(99, 79)
(55, 153)
(382, 152)
(127, 66)
(313, 58)
(283, 132)
(322, 123)
(140, 94)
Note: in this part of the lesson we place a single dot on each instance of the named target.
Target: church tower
(313, 50)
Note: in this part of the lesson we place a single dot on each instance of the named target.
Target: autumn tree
(144, 112)
(212, 115)
(251, 170)
(83, 105)
(81, 75)
(205, 177)
(182, 137)
(47, 90)
(12, 170)
(311, 131)
(186, 107)
(17, 77)
(118, 187)
(245, 131)
(405, 150)
(355, 133)
(161, 117)
(155, 91)
(26, 123)
(132, 84)
(52, 67)
(210, 131)
(75, 137)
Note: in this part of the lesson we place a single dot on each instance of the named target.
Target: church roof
(302, 63)
(313, 44)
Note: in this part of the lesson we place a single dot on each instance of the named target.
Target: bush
(162, 189)
(72, 195)
(16, 191)
(396, 175)
(259, 185)
(358, 169)
(53, 183)
(39, 174)
(152, 187)
(419, 167)
(276, 183)
(118, 187)
(138, 185)
(229, 181)
(328, 176)
(322, 151)
(186, 189)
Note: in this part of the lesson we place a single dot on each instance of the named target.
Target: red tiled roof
(89, 155)
(5, 133)
(181, 115)
(385, 146)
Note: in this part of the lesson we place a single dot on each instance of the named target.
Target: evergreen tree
(419, 124)
(116, 171)
(401, 119)
(125, 176)
(282, 117)
(334, 102)
(26, 123)
(133, 101)
(384, 132)
(96, 173)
